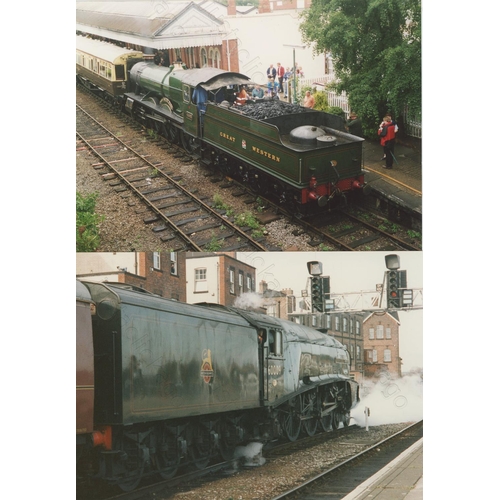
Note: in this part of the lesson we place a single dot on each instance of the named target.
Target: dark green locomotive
(178, 384)
(300, 156)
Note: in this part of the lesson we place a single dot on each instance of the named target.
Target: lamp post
(294, 71)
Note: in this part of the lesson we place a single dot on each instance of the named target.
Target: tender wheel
(290, 419)
(229, 438)
(167, 454)
(199, 446)
(132, 464)
(309, 402)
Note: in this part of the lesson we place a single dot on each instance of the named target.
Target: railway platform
(402, 185)
(400, 479)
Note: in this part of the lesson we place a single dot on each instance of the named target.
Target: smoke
(250, 455)
(249, 301)
(391, 401)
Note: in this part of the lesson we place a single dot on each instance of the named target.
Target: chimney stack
(231, 8)
(264, 6)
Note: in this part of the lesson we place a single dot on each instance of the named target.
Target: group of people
(278, 77)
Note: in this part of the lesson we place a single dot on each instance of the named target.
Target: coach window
(120, 72)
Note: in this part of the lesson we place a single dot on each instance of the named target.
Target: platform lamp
(294, 71)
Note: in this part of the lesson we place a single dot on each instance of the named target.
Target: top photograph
(256, 125)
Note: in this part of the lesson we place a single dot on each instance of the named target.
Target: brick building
(162, 273)
(178, 30)
(217, 278)
(381, 344)
(277, 304)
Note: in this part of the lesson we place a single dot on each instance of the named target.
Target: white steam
(249, 301)
(390, 401)
(250, 455)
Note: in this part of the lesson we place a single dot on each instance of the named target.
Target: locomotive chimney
(148, 53)
(231, 8)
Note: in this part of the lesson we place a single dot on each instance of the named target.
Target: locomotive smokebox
(307, 134)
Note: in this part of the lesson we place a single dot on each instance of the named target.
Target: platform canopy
(159, 25)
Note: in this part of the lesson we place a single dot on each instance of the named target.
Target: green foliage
(376, 51)
(87, 221)
(247, 219)
(335, 110)
(320, 101)
(214, 245)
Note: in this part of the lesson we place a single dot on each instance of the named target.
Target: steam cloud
(249, 301)
(390, 401)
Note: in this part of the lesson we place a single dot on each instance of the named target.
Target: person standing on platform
(354, 126)
(280, 73)
(271, 72)
(387, 135)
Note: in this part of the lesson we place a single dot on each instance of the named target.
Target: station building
(162, 273)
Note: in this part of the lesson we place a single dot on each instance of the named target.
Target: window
(344, 325)
(358, 352)
(200, 280)
(314, 321)
(351, 326)
(156, 260)
(275, 342)
(173, 263)
(231, 280)
(380, 331)
(375, 355)
(271, 310)
(240, 282)
(203, 57)
(328, 321)
(337, 324)
(249, 283)
(371, 333)
(388, 332)
(358, 328)
(120, 72)
(387, 355)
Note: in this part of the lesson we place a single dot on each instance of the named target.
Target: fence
(413, 126)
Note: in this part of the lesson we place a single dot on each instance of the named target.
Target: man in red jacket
(280, 73)
(387, 133)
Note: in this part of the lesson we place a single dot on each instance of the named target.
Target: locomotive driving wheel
(290, 418)
(337, 418)
(326, 403)
(310, 422)
(190, 143)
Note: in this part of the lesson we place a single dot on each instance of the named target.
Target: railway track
(339, 480)
(181, 219)
(350, 229)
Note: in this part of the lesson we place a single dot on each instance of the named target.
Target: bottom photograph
(248, 375)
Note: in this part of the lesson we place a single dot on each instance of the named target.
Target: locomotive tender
(177, 384)
(300, 156)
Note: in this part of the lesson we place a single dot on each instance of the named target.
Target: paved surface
(402, 185)
(400, 479)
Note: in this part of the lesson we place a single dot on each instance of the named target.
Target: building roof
(393, 314)
(159, 25)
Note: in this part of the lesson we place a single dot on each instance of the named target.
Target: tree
(376, 51)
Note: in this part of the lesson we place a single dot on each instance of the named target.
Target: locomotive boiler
(301, 157)
(177, 384)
